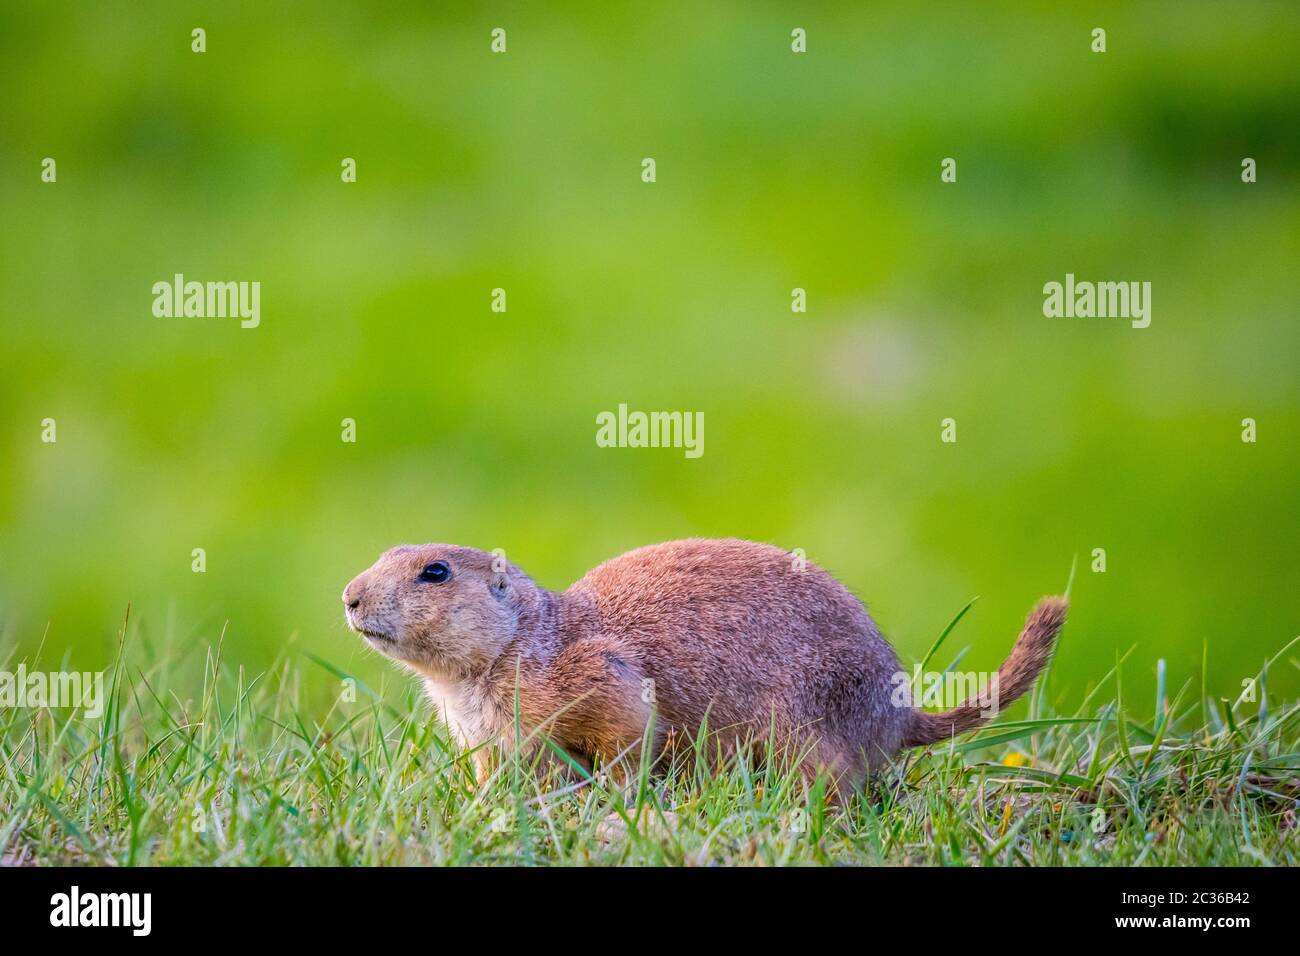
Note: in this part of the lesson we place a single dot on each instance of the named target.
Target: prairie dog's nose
(353, 593)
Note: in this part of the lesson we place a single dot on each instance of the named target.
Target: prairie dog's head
(443, 610)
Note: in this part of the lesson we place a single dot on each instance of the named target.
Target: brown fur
(726, 632)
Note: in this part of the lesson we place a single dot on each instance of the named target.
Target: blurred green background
(775, 170)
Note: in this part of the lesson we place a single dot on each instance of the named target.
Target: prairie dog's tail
(1015, 676)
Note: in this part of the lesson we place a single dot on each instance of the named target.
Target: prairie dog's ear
(499, 585)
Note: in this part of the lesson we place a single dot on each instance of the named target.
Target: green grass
(197, 762)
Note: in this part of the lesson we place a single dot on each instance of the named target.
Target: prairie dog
(728, 631)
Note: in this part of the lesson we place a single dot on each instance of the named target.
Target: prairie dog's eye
(436, 573)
